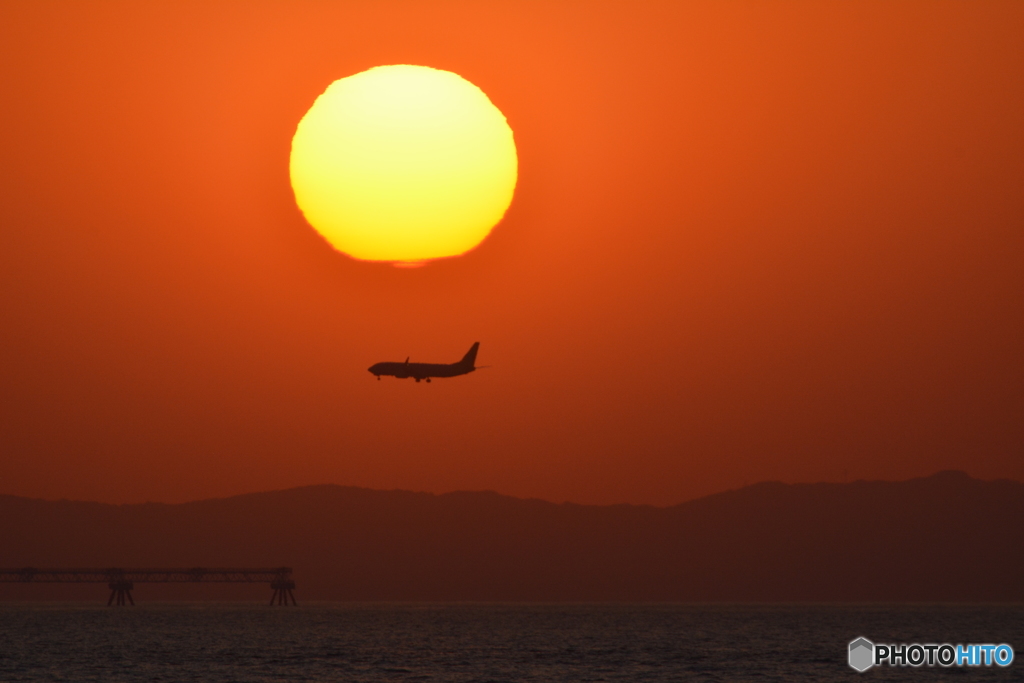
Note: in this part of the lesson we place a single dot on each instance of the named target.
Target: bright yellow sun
(403, 164)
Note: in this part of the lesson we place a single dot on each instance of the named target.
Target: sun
(403, 164)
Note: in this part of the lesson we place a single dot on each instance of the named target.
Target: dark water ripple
(483, 643)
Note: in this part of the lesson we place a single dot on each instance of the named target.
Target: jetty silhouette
(122, 581)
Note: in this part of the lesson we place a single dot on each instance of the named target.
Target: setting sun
(403, 164)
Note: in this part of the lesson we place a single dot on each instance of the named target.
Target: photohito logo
(864, 654)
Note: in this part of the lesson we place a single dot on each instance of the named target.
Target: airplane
(425, 371)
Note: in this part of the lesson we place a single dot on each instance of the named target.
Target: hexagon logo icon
(862, 654)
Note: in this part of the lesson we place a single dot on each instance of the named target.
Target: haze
(750, 241)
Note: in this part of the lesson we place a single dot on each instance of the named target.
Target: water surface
(470, 642)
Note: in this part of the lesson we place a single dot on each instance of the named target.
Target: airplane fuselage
(425, 371)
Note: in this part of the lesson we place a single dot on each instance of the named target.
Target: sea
(240, 642)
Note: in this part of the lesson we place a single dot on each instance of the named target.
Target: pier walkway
(122, 581)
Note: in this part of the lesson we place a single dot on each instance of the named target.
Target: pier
(122, 581)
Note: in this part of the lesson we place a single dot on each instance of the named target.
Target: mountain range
(946, 537)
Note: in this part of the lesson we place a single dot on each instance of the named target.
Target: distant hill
(939, 538)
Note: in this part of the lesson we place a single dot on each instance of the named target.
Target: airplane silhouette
(425, 371)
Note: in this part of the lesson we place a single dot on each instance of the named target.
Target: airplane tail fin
(469, 359)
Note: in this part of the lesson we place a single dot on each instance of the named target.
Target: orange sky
(750, 241)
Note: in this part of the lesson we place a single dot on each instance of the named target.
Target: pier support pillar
(282, 592)
(120, 590)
